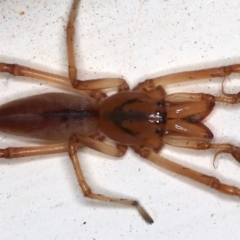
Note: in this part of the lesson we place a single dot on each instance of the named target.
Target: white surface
(135, 39)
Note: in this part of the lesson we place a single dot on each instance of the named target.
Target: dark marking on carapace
(118, 116)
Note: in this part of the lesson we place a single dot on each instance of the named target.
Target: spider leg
(188, 76)
(179, 169)
(120, 83)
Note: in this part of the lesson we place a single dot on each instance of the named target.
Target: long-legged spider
(144, 119)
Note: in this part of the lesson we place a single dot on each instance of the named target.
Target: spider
(144, 119)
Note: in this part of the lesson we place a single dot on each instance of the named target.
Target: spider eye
(159, 131)
(161, 103)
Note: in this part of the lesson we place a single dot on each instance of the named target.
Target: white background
(40, 197)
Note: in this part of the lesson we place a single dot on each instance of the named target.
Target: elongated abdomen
(50, 116)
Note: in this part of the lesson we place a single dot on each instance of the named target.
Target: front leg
(223, 71)
(201, 145)
(202, 178)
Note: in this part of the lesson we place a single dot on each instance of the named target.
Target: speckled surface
(40, 197)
